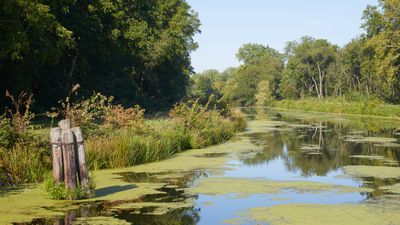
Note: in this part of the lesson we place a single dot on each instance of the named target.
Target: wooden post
(68, 154)
(58, 165)
(69, 160)
(83, 173)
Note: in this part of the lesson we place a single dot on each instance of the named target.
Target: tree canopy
(137, 51)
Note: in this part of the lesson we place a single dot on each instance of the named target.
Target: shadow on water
(137, 216)
(212, 155)
(148, 215)
(101, 192)
(181, 179)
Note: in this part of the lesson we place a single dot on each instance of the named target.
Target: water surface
(284, 148)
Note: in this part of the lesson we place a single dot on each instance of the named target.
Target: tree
(259, 63)
(382, 24)
(264, 94)
(204, 85)
(308, 65)
(137, 51)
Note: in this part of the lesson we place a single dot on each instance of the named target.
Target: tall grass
(342, 105)
(160, 139)
(23, 164)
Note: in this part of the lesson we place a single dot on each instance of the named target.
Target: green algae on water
(372, 171)
(99, 220)
(393, 189)
(243, 187)
(380, 140)
(315, 214)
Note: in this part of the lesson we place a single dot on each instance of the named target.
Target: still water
(288, 149)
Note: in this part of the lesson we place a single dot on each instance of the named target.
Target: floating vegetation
(310, 149)
(393, 189)
(243, 187)
(385, 161)
(315, 214)
(371, 157)
(268, 126)
(388, 144)
(362, 139)
(212, 155)
(372, 171)
(99, 220)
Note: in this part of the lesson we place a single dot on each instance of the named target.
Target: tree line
(368, 66)
(137, 51)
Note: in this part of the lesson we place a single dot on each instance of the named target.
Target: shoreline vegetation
(115, 136)
(340, 106)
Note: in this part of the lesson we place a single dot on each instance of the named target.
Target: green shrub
(205, 126)
(59, 191)
(8, 135)
(25, 162)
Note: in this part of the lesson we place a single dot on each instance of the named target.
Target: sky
(228, 24)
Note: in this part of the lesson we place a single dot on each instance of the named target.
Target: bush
(117, 117)
(25, 162)
(23, 157)
(205, 126)
(8, 135)
(59, 191)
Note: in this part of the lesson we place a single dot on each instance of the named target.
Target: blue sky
(228, 24)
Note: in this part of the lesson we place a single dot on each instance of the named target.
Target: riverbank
(142, 141)
(278, 164)
(341, 106)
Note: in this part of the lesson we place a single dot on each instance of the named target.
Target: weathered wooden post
(69, 160)
(57, 155)
(83, 173)
(69, 156)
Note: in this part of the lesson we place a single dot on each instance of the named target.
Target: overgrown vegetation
(19, 147)
(190, 125)
(115, 136)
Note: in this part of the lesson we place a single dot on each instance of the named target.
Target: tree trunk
(321, 77)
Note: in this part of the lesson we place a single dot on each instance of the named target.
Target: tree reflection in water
(321, 147)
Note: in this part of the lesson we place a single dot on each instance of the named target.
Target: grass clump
(60, 192)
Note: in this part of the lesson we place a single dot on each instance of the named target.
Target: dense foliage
(137, 51)
(367, 67)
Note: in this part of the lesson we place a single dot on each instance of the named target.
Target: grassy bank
(122, 138)
(160, 139)
(370, 107)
